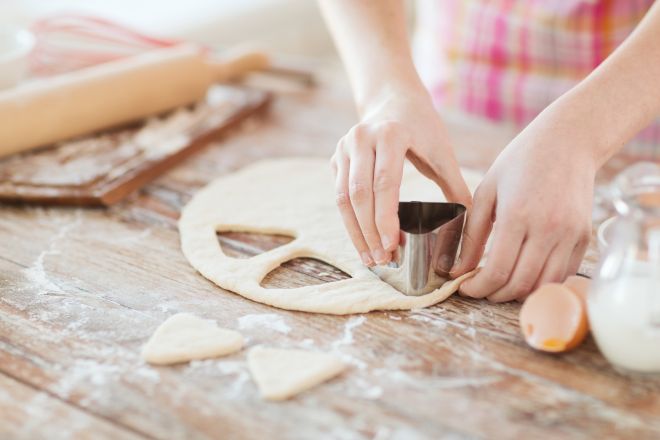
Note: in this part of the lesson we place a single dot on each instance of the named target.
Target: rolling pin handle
(237, 64)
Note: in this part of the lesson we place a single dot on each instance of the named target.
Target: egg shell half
(553, 319)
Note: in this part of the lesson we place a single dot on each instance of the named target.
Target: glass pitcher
(624, 301)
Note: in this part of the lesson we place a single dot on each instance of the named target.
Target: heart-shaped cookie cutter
(430, 233)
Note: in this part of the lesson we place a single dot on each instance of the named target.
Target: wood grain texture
(82, 290)
(102, 169)
(28, 413)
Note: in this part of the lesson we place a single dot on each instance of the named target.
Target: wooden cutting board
(102, 169)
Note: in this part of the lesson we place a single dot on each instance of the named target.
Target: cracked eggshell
(554, 319)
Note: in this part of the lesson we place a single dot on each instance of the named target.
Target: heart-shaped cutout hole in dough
(248, 244)
(301, 272)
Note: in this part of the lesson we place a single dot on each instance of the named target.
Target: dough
(281, 374)
(184, 337)
(295, 197)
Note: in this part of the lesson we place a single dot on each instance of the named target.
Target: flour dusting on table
(347, 340)
(267, 321)
(434, 322)
(36, 274)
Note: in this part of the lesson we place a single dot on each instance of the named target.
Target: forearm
(373, 43)
(620, 97)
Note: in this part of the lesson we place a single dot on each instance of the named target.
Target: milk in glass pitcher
(624, 301)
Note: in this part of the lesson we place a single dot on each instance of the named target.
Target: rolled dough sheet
(184, 337)
(281, 373)
(295, 197)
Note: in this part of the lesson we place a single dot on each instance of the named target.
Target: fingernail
(386, 242)
(456, 265)
(380, 256)
(366, 259)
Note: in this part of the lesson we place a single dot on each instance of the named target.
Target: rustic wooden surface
(100, 170)
(82, 290)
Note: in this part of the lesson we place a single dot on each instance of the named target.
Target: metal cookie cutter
(429, 236)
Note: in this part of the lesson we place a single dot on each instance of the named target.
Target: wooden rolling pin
(95, 98)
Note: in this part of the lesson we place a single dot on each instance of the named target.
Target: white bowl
(15, 47)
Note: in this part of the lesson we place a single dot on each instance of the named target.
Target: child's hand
(368, 166)
(537, 198)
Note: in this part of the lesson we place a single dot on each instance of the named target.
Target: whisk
(68, 42)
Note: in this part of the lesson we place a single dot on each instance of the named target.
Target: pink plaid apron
(506, 60)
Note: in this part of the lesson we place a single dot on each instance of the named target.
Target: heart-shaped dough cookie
(283, 373)
(184, 337)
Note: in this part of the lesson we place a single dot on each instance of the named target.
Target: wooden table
(82, 290)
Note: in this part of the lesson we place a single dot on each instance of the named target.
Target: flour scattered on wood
(236, 370)
(437, 382)
(41, 411)
(445, 382)
(306, 343)
(148, 373)
(369, 391)
(90, 372)
(265, 321)
(347, 340)
(102, 380)
(132, 239)
(36, 274)
(434, 322)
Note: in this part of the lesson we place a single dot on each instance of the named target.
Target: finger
(578, 253)
(454, 187)
(388, 173)
(444, 171)
(554, 270)
(360, 189)
(507, 241)
(346, 211)
(475, 234)
(528, 269)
